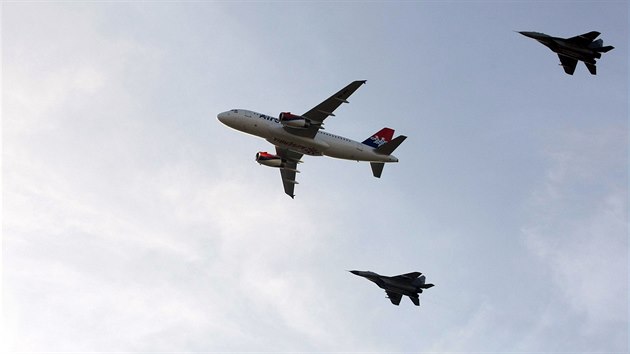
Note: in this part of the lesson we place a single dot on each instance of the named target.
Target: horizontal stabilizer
(604, 49)
(388, 148)
(592, 68)
(415, 300)
(377, 168)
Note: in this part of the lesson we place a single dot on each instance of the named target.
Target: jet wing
(415, 300)
(319, 113)
(591, 68)
(394, 297)
(289, 171)
(412, 275)
(568, 64)
(584, 39)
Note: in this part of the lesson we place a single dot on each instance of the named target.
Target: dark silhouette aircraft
(583, 48)
(410, 284)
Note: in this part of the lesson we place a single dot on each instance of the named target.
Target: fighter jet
(583, 48)
(410, 284)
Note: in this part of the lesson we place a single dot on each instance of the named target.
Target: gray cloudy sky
(134, 221)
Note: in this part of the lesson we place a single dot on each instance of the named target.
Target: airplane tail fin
(383, 144)
(592, 68)
(385, 149)
(596, 44)
(415, 300)
(379, 138)
(420, 282)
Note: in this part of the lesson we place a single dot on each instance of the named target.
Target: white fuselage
(270, 129)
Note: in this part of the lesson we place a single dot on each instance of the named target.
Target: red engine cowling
(267, 159)
(294, 121)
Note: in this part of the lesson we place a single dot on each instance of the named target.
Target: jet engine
(271, 160)
(293, 121)
(267, 159)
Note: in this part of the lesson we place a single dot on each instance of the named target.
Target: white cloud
(91, 267)
(578, 230)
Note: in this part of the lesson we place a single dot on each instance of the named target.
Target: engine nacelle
(267, 159)
(293, 121)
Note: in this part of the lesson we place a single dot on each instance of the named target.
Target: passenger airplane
(295, 136)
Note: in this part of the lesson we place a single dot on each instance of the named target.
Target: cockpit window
(235, 110)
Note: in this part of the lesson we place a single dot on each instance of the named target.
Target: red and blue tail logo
(383, 136)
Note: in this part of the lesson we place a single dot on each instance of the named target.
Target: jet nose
(529, 34)
(222, 117)
(355, 272)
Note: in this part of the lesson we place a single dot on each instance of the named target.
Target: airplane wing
(591, 68)
(415, 300)
(412, 275)
(584, 39)
(568, 64)
(319, 113)
(394, 297)
(288, 173)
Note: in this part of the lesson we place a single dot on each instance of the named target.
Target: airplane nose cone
(529, 34)
(222, 117)
(355, 272)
